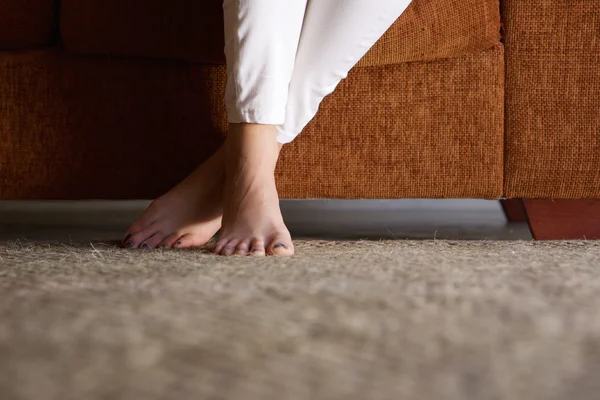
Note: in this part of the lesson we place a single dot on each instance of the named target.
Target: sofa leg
(513, 209)
(563, 219)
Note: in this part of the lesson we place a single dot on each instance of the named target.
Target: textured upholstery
(81, 127)
(552, 98)
(413, 130)
(192, 30)
(430, 30)
(94, 127)
(27, 24)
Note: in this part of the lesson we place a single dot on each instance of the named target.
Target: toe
(170, 240)
(143, 222)
(242, 248)
(257, 248)
(153, 241)
(219, 245)
(127, 236)
(281, 246)
(134, 241)
(229, 248)
(190, 240)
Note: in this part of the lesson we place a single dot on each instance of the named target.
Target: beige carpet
(342, 320)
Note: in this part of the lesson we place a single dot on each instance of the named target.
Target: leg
(261, 41)
(513, 210)
(335, 35)
(252, 221)
(264, 35)
(564, 219)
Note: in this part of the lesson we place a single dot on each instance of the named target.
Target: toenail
(178, 243)
(129, 244)
(145, 246)
(127, 237)
(279, 246)
(256, 250)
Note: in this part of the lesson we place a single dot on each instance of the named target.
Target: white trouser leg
(261, 41)
(336, 34)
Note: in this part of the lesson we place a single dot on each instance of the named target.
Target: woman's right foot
(252, 221)
(188, 215)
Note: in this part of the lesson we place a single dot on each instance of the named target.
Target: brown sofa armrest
(552, 98)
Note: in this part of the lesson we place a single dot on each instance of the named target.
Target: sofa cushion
(27, 24)
(192, 30)
(90, 127)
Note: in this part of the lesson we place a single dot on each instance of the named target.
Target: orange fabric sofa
(461, 98)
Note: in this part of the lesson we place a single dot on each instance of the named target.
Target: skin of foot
(191, 213)
(188, 215)
(252, 221)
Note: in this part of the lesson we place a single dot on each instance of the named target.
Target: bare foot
(252, 221)
(188, 215)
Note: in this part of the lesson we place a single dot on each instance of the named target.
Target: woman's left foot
(252, 221)
(188, 215)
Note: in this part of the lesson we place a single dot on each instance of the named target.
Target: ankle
(249, 134)
(251, 146)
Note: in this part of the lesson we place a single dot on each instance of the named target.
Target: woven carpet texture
(552, 98)
(60, 142)
(192, 30)
(346, 320)
(27, 24)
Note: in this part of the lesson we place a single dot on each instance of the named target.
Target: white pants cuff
(265, 116)
(285, 137)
